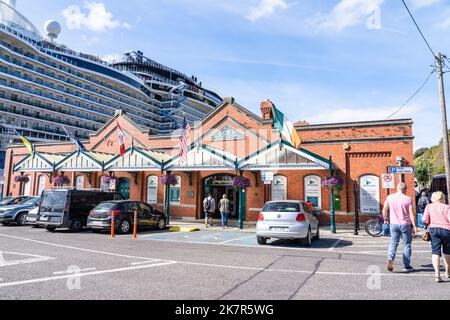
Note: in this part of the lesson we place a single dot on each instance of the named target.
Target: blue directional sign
(402, 170)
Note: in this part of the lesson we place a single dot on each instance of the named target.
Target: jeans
(440, 241)
(224, 219)
(405, 231)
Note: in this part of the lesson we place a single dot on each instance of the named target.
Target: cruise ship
(44, 84)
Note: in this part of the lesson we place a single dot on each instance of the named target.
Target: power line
(414, 94)
(418, 28)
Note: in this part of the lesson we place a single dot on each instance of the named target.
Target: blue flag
(74, 139)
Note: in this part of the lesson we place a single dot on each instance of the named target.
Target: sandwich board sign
(388, 181)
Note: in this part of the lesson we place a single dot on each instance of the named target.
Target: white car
(287, 219)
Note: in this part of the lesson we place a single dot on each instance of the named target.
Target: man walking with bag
(209, 206)
(398, 212)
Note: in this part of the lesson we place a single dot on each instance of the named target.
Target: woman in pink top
(437, 217)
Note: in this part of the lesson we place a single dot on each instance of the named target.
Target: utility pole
(444, 121)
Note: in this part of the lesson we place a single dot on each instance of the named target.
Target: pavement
(208, 264)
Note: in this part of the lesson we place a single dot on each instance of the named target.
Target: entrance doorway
(217, 186)
(123, 188)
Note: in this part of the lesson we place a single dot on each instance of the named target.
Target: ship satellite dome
(52, 28)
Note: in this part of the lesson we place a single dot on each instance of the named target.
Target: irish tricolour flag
(286, 128)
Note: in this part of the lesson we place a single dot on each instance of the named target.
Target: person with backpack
(423, 201)
(209, 206)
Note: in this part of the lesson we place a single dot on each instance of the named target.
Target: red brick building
(231, 141)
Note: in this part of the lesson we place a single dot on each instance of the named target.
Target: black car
(67, 208)
(123, 211)
(439, 183)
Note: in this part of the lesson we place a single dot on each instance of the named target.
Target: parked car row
(76, 209)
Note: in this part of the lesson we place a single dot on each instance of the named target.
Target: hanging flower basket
(241, 182)
(106, 179)
(169, 179)
(18, 179)
(333, 183)
(61, 180)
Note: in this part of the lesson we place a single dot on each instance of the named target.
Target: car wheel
(76, 226)
(51, 229)
(124, 226)
(21, 219)
(161, 224)
(261, 240)
(317, 236)
(308, 240)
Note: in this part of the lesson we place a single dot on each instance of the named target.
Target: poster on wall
(313, 190)
(152, 190)
(369, 194)
(80, 183)
(279, 188)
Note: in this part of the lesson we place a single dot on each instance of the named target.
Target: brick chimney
(266, 110)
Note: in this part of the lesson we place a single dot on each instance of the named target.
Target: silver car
(287, 219)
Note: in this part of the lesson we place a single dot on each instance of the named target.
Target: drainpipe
(332, 213)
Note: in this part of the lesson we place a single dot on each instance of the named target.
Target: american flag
(184, 140)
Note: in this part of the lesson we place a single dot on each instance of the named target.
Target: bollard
(112, 225)
(135, 224)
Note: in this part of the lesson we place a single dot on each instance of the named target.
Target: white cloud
(111, 58)
(418, 4)
(97, 18)
(266, 8)
(347, 13)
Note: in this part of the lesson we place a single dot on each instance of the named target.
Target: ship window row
(66, 80)
(42, 107)
(78, 94)
(34, 135)
(70, 71)
(20, 122)
(22, 111)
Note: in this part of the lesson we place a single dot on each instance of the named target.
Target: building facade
(230, 142)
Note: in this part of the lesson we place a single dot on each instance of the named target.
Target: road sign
(401, 170)
(267, 176)
(388, 181)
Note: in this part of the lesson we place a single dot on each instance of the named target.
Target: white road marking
(76, 248)
(335, 244)
(32, 259)
(71, 272)
(142, 262)
(237, 239)
(93, 273)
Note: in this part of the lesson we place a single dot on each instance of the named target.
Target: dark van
(439, 183)
(66, 208)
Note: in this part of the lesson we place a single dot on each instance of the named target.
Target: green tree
(423, 169)
(420, 152)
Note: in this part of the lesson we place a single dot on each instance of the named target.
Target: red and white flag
(184, 140)
(121, 135)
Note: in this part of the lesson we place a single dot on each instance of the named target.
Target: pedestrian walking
(437, 217)
(399, 214)
(224, 207)
(423, 201)
(209, 206)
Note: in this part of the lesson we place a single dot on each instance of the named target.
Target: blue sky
(318, 60)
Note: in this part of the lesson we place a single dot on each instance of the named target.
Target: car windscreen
(5, 201)
(281, 207)
(107, 206)
(29, 201)
(54, 199)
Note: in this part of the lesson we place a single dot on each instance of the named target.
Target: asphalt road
(36, 264)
